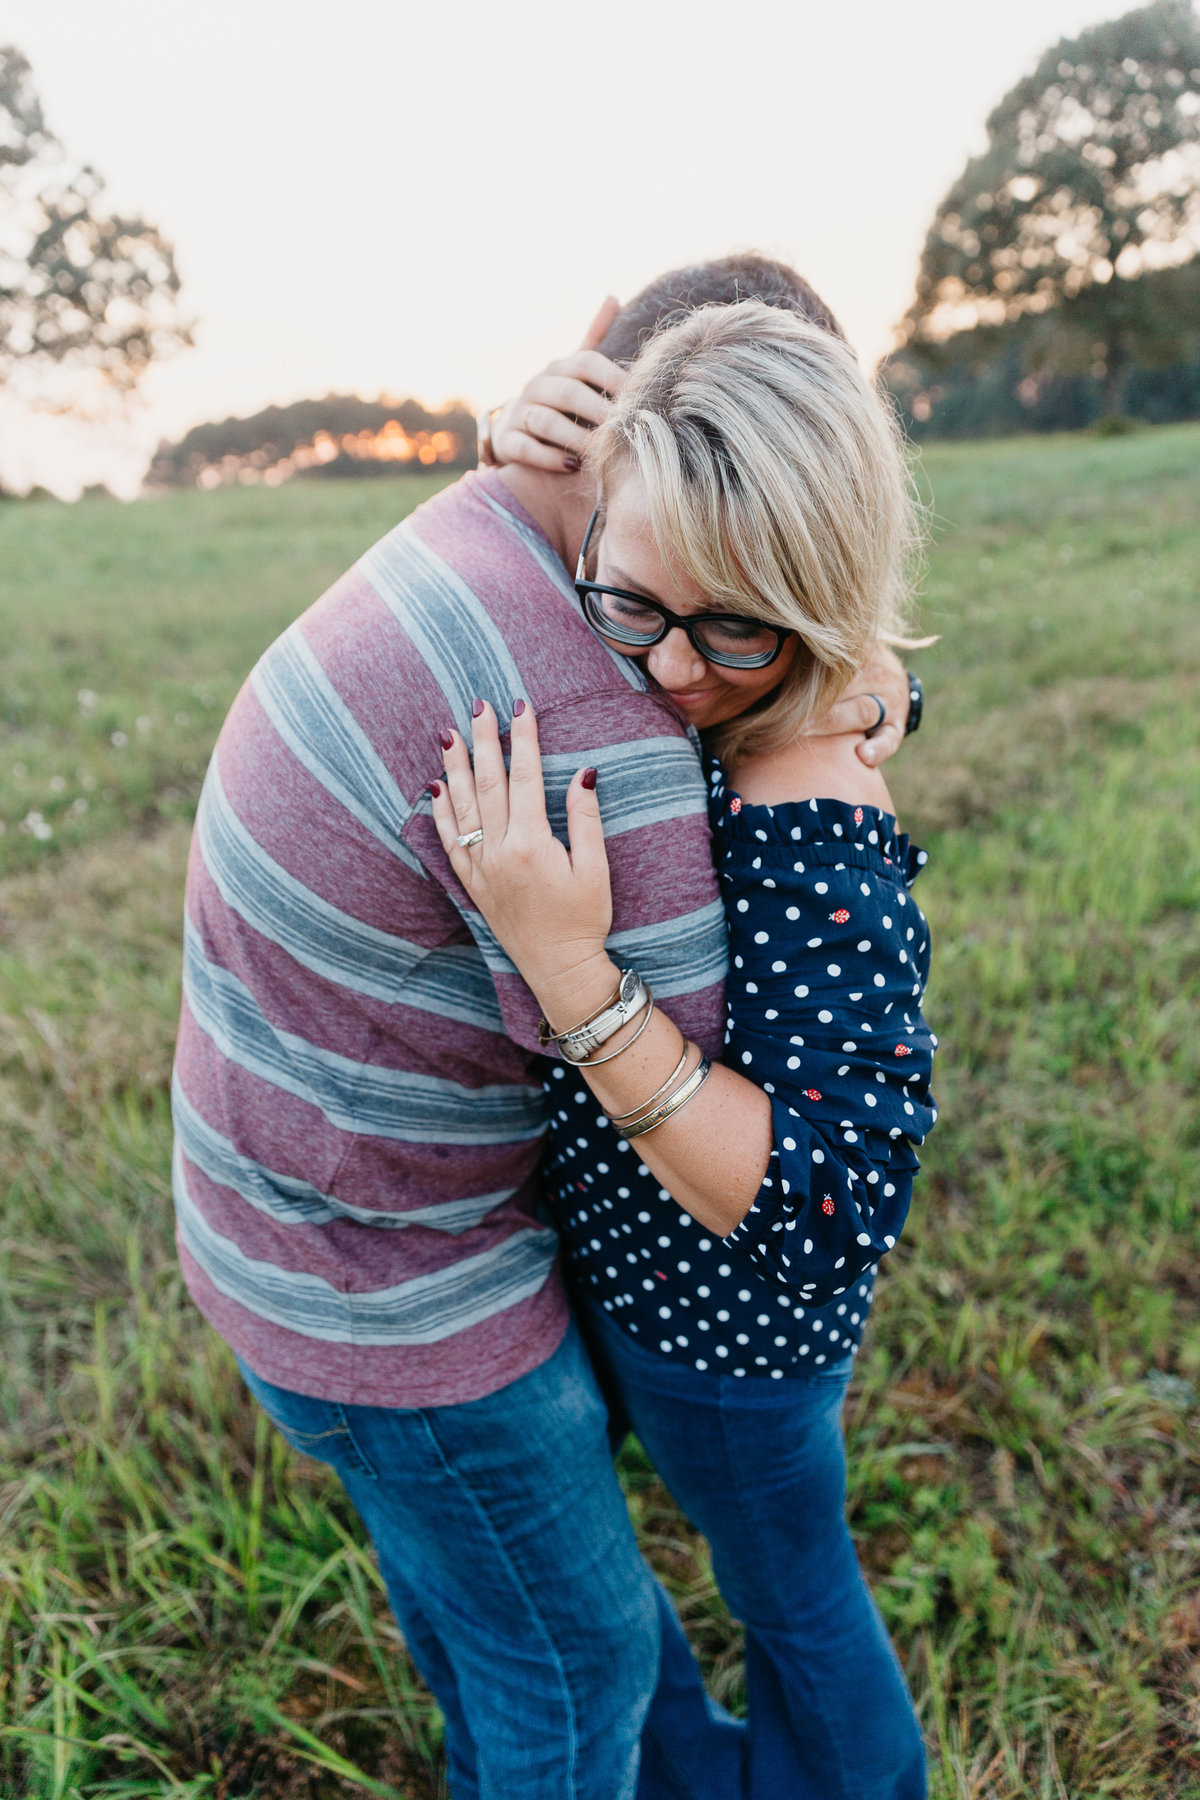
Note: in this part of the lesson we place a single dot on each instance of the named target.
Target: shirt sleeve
(830, 957)
(668, 920)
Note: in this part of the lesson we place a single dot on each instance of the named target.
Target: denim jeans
(512, 1568)
(759, 1467)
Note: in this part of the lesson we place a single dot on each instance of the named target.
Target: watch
(916, 702)
(631, 998)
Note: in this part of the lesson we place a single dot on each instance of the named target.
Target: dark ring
(882, 714)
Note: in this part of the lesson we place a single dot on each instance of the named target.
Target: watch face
(629, 985)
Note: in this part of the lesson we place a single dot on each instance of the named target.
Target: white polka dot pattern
(830, 958)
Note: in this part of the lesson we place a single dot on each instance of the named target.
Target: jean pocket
(320, 1429)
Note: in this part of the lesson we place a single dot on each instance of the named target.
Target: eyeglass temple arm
(587, 538)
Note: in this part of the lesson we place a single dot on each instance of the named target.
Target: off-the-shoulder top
(829, 956)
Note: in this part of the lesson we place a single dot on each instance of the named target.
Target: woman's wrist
(571, 997)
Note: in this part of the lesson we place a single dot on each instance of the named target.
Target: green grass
(188, 1609)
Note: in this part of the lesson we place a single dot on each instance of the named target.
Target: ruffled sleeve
(830, 955)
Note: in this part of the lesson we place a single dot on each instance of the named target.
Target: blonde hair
(776, 478)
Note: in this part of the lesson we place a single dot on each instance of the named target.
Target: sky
(383, 197)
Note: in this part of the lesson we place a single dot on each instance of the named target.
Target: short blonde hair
(776, 478)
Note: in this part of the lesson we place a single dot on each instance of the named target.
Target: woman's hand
(550, 908)
(542, 427)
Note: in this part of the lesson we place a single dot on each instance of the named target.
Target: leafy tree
(1089, 187)
(81, 288)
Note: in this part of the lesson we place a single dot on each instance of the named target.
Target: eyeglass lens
(728, 640)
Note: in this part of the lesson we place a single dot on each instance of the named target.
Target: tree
(1089, 189)
(81, 288)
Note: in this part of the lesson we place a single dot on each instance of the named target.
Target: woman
(723, 1225)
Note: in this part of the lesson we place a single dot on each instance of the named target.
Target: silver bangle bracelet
(546, 1036)
(593, 1062)
(642, 1108)
(686, 1091)
(576, 1045)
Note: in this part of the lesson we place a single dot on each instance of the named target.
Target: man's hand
(547, 425)
(883, 675)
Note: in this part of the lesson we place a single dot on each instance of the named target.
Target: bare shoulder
(819, 768)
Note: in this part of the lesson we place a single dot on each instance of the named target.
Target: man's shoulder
(467, 598)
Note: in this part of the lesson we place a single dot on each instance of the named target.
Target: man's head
(724, 281)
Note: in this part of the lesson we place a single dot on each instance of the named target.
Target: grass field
(187, 1609)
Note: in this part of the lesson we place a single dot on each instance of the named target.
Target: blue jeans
(759, 1467)
(511, 1566)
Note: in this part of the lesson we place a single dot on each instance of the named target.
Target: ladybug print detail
(827, 1206)
(735, 806)
(903, 1050)
(839, 917)
(858, 815)
(812, 1093)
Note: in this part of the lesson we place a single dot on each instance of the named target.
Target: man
(359, 1111)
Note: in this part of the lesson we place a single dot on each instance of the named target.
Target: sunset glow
(392, 444)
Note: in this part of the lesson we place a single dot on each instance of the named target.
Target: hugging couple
(489, 1151)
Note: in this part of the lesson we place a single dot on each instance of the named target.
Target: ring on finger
(882, 714)
(469, 838)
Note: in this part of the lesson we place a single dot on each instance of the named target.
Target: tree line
(341, 435)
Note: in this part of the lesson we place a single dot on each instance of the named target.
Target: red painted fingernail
(476, 707)
(571, 464)
(588, 779)
(435, 788)
(518, 708)
(447, 739)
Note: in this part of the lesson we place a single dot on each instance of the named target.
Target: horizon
(266, 146)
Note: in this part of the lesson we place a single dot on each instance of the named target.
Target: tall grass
(188, 1609)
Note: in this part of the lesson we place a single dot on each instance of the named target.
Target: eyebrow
(637, 587)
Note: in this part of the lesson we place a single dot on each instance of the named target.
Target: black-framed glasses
(729, 639)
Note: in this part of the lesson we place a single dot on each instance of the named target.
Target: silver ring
(468, 838)
(882, 714)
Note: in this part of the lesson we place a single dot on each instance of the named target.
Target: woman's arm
(551, 911)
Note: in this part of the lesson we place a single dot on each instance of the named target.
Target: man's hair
(775, 477)
(725, 281)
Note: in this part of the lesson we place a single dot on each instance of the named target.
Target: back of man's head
(723, 282)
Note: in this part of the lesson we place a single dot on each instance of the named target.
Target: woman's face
(628, 557)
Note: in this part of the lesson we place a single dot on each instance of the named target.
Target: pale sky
(375, 195)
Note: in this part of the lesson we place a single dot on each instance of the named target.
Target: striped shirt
(358, 1097)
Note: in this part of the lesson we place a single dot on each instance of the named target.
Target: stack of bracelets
(577, 1045)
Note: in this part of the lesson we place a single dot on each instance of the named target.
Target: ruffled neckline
(869, 830)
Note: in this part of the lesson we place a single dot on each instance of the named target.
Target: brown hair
(724, 281)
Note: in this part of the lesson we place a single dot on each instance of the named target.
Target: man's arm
(668, 919)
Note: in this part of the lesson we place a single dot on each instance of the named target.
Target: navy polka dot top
(829, 958)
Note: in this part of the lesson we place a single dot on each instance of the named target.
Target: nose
(674, 662)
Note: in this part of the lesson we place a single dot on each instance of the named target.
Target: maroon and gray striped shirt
(358, 1098)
